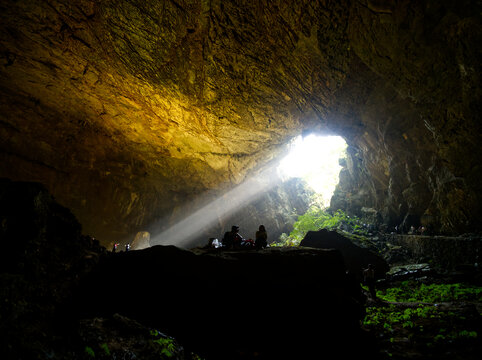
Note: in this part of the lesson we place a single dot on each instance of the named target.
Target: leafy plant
(317, 218)
(89, 351)
(394, 317)
(410, 291)
(168, 347)
(105, 348)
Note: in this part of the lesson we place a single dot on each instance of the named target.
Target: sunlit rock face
(127, 110)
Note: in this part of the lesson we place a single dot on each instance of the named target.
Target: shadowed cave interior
(164, 122)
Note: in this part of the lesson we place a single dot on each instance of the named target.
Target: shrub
(317, 218)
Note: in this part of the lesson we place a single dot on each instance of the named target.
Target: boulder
(273, 303)
(356, 258)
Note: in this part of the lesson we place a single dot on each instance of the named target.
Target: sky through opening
(315, 159)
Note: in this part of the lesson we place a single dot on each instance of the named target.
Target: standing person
(369, 279)
(261, 238)
(114, 248)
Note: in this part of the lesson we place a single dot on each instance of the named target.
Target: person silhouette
(232, 239)
(261, 240)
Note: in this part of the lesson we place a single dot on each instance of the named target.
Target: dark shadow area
(65, 297)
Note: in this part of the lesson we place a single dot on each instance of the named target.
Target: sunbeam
(185, 231)
(313, 158)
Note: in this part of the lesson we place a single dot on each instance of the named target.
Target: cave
(127, 112)
(135, 115)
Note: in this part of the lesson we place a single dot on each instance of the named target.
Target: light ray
(312, 158)
(183, 233)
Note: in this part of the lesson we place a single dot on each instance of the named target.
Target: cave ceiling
(126, 110)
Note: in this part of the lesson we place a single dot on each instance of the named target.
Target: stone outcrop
(274, 303)
(355, 258)
(129, 110)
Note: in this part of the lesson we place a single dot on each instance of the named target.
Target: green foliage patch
(167, 345)
(317, 218)
(418, 321)
(411, 291)
(89, 351)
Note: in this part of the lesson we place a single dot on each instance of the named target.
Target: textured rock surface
(447, 253)
(126, 110)
(414, 156)
(356, 258)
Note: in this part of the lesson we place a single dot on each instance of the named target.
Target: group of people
(421, 230)
(116, 246)
(233, 240)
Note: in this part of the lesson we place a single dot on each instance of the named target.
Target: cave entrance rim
(315, 158)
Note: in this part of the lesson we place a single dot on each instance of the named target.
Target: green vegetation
(317, 218)
(402, 315)
(390, 316)
(167, 345)
(89, 351)
(410, 291)
(105, 348)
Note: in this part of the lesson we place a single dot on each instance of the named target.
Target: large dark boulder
(356, 258)
(275, 303)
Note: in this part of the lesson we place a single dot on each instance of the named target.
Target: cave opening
(315, 158)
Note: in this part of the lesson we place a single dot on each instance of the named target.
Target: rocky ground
(423, 330)
(444, 322)
(429, 299)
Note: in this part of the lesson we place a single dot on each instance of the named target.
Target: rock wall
(128, 110)
(445, 253)
(414, 154)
